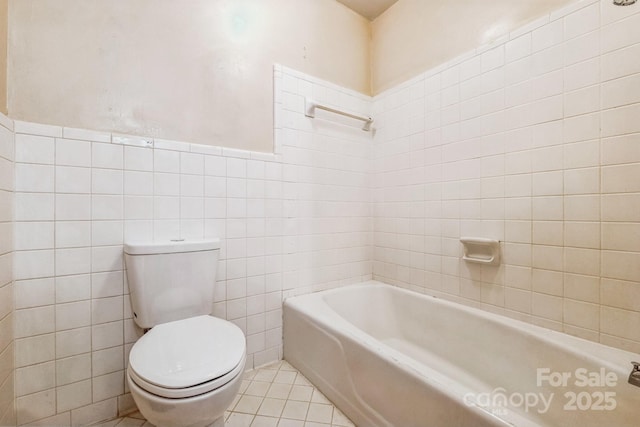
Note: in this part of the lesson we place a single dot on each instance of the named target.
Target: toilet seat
(188, 357)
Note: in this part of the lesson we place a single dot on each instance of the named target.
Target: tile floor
(276, 395)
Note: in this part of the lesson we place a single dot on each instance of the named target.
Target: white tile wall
(533, 142)
(81, 194)
(7, 307)
(326, 185)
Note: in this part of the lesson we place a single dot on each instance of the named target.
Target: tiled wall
(7, 413)
(81, 194)
(328, 209)
(535, 141)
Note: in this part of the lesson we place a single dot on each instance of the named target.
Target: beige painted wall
(4, 5)
(415, 35)
(197, 70)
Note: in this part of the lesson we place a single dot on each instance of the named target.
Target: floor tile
(285, 377)
(239, 420)
(340, 419)
(290, 423)
(262, 421)
(279, 391)
(265, 375)
(301, 392)
(248, 404)
(257, 388)
(130, 422)
(320, 413)
(271, 407)
(295, 410)
(301, 380)
(318, 397)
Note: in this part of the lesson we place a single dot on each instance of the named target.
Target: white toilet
(187, 369)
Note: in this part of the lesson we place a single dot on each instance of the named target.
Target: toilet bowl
(186, 373)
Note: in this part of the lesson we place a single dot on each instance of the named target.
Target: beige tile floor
(276, 395)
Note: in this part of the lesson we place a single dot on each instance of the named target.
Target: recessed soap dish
(481, 250)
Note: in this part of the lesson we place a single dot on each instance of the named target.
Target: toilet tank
(171, 280)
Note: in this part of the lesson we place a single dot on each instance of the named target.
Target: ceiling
(370, 9)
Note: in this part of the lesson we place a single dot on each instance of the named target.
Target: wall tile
(615, 179)
(107, 335)
(582, 234)
(621, 92)
(106, 386)
(620, 207)
(107, 181)
(73, 396)
(34, 207)
(33, 264)
(620, 121)
(622, 149)
(548, 35)
(33, 350)
(35, 149)
(73, 369)
(582, 101)
(12, 354)
(166, 161)
(35, 378)
(621, 63)
(628, 26)
(72, 234)
(138, 159)
(72, 288)
(547, 60)
(72, 342)
(33, 235)
(71, 207)
(621, 236)
(107, 156)
(108, 361)
(36, 406)
(620, 294)
(34, 178)
(72, 261)
(73, 153)
(582, 288)
(34, 293)
(582, 314)
(192, 164)
(73, 315)
(96, 412)
(620, 323)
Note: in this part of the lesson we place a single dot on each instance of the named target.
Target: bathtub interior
(475, 349)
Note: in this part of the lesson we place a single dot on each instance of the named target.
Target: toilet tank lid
(170, 246)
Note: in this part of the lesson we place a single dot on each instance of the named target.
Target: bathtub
(390, 357)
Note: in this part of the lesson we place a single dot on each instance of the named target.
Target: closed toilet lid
(189, 352)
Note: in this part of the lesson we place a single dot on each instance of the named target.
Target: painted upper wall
(197, 71)
(4, 7)
(415, 35)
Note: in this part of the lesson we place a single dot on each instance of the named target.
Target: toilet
(185, 371)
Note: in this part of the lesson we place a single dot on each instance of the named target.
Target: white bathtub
(390, 357)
